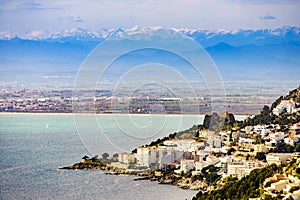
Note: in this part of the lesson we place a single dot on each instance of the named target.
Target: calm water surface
(33, 146)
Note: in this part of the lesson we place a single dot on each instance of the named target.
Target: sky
(57, 15)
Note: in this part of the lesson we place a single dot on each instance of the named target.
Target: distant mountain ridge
(271, 54)
(204, 37)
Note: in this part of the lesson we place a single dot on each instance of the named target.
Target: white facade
(126, 158)
(146, 156)
(214, 140)
(277, 158)
(168, 156)
(285, 105)
(240, 169)
(162, 156)
(186, 165)
(260, 148)
(195, 146)
(181, 145)
(291, 140)
(246, 141)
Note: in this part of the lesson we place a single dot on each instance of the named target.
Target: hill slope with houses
(257, 158)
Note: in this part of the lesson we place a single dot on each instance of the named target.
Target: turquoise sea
(33, 146)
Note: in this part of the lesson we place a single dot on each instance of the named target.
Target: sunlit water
(33, 146)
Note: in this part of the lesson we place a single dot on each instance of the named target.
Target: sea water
(33, 146)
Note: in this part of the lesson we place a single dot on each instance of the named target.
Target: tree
(259, 139)
(212, 177)
(260, 156)
(244, 188)
(282, 147)
(230, 151)
(105, 156)
(297, 148)
(248, 157)
(116, 155)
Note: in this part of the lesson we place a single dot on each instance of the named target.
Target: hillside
(253, 185)
(266, 116)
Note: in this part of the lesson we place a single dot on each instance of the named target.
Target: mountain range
(241, 54)
(204, 37)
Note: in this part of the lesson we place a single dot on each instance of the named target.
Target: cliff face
(215, 122)
(229, 118)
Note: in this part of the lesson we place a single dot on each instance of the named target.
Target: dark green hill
(245, 188)
(267, 117)
(293, 95)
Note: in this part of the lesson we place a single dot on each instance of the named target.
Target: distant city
(240, 99)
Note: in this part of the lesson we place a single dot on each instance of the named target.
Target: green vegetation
(93, 164)
(230, 151)
(247, 187)
(105, 156)
(266, 116)
(260, 156)
(210, 174)
(259, 139)
(159, 141)
(294, 94)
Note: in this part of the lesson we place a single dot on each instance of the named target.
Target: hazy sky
(22, 15)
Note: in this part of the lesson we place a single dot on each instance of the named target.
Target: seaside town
(202, 158)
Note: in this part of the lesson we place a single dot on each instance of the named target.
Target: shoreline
(104, 114)
(140, 175)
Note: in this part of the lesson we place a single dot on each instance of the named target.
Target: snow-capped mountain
(242, 54)
(243, 37)
(204, 37)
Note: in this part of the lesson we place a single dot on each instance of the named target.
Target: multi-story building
(186, 165)
(126, 158)
(277, 158)
(240, 169)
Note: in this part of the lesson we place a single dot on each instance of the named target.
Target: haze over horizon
(253, 40)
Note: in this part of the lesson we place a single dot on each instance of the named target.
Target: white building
(277, 158)
(146, 156)
(126, 158)
(275, 138)
(291, 140)
(168, 156)
(181, 145)
(285, 106)
(260, 148)
(246, 141)
(210, 160)
(195, 146)
(186, 165)
(240, 169)
(162, 156)
(214, 140)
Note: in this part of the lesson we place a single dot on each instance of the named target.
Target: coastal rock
(197, 185)
(184, 183)
(165, 181)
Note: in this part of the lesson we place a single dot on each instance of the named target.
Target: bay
(33, 146)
